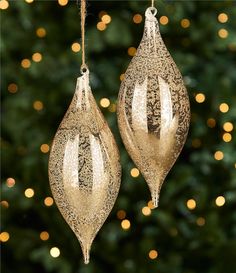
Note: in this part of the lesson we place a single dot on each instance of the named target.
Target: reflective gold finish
(153, 108)
(84, 167)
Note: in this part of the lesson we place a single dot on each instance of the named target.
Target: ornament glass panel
(153, 108)
(84, 167)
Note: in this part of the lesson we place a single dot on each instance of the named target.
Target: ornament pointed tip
(86, 254)
(155, 199)
(155, 202)
(86, 260)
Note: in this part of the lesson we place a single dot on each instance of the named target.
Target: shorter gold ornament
(153, 108)
(84, 167)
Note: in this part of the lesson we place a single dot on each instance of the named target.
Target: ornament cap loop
(151, 13)
(84, 69)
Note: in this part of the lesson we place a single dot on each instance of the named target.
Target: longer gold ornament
(84, 167)
(153, 108)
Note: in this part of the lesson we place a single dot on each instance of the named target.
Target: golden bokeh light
(101, 26)
(41, 32)
(134, 172)
(48, 201)
(4, 236)
(146, 211)
(228, 126)
(62, 2)
(29, 193)
(185, 23)
(38, 105)
(112, 108)
(191, 204)
(25, 63)
(37, 57)
(75, 47)
(106, 19)
(12, 88)
(164, 20)
(105, 102)
(211, 122)
(222, 17)
(227, 137)
(44, 148)
(44, 235)
(150, 204)
(224, 107)
(4, 4)
(223, 33)
(4, 204)
(200, 98)
(55, 252)
(201, 221)
(131, 51)
(153, 254)
(29, 1)
(125, 224)
(10, 182)
(122, 76)
(121, 214)
(218, 155)
(137, 18)
(220, 201)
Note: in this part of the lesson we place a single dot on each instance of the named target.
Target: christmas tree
(193, 229)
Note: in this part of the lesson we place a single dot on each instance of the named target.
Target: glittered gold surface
(153, 108)
(84, 167)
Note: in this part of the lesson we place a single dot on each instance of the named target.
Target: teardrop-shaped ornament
(153, 108)
(84, 166)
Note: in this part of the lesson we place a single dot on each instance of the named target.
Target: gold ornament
(153, 108)
(84, 167)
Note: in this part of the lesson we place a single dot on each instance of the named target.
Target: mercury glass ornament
(153, 108)
(84, 167)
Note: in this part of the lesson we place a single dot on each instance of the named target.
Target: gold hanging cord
(84, 66)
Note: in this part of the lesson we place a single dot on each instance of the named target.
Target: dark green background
(207, 63)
